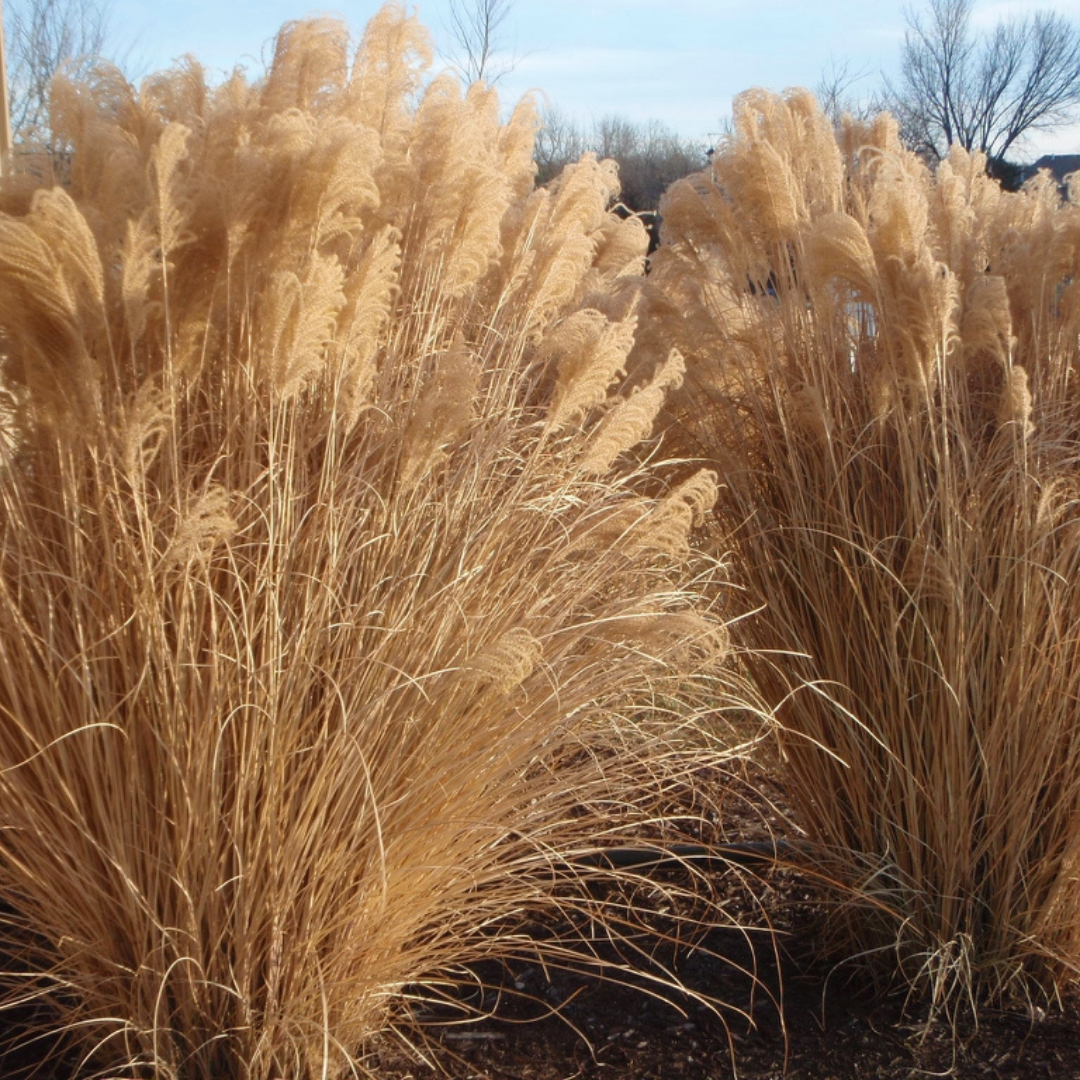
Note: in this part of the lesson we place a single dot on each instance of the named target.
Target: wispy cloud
(680, 61)
(987, 15)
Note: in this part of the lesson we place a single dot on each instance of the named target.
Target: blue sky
(680, 61)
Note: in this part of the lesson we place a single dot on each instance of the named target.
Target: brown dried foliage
(322, 615)
(881, 362)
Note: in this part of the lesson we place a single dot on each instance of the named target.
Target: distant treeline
(650, 155)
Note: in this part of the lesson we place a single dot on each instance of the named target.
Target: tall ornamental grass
(334, 616)
(882, 365)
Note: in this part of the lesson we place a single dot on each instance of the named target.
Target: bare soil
(795, 1018)
(787, 1013)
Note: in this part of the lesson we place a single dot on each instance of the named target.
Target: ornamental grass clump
(881, 362)
(334, 616)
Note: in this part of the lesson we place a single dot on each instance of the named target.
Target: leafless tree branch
(476, 28)
(983, 94)
(650, 155)
(41, 37)
(836, 94)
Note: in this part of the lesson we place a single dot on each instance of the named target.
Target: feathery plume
(297, 597)
(442, 412)
(667, 528)
(631, 419)
(507, 662)
(1015, 406)
(589, 354)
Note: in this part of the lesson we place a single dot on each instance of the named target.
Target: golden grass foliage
(882, 363)
(322, 614)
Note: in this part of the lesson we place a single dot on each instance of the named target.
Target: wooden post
(5, 108)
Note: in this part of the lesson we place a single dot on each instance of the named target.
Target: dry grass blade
(889, 360)
(320, 650)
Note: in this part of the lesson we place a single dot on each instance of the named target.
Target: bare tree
(42, 36)
(476, 28)
(654, 162)
(650, 155)
(558, 142)
(615, 137)
(984, 93)
(837, 96)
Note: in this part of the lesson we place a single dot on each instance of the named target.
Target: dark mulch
(544, 1024)
(787, 1013)
(551, 1025)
